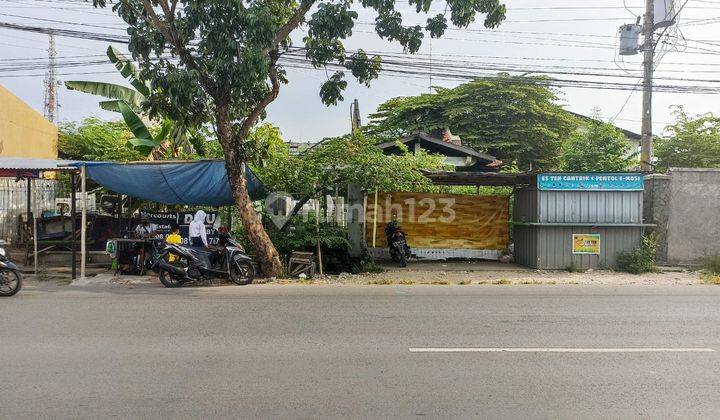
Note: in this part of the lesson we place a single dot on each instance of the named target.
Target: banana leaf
(165, 129)
(134, 122)
(111, 105)
(108, 90)
(144, 146)
(127, 69)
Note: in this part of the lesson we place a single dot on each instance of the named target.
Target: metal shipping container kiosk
(583, 220)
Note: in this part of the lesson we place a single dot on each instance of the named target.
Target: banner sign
(590, 182)
(164, 221)
(586, 243)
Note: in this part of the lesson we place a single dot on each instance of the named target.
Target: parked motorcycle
(399, 249)
(193, 264)
(10, 277)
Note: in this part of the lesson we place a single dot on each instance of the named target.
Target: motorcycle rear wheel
(10, 282)
(241, 272)
(170, 280)
(403, 259)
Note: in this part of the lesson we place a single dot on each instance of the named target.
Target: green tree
(219, 62)
(692, 142)
(597, 147)
(95, 139)
(516, 119)
(173, 137)
(353, 159)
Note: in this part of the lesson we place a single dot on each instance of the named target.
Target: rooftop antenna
(51, 83)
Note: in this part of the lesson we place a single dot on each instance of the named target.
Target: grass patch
(502, 281)
(42, 273)
(406, 282)
(464, 282)
(443, 282)
(381, 282)
(371, 267)
(711, 279)
(711, 265)
(552, 282)
(572, 268)
(531, 282)
(483, 282)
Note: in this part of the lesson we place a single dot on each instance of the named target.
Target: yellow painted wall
(23, 131)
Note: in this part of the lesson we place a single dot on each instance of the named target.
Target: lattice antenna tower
(51, 102)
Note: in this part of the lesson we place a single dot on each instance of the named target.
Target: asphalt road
(343, 352)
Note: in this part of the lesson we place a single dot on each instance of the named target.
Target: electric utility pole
(646, 146)
(355, 122)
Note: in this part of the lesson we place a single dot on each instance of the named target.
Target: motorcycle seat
(201, 250)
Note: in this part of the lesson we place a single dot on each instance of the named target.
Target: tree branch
(172, 8)
(264, 102)
(290, 25)
(299, 205)
(169, 35)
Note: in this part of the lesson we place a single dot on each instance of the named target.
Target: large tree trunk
(264, 249)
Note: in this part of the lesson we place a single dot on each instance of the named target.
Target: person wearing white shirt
(198, 234)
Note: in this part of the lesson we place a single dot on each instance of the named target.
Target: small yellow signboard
(586, 243)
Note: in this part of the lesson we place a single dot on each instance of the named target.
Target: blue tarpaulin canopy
(199, 182)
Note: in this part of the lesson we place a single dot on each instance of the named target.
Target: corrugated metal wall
(578, 206)
(550, 247)
(554, 246)
(13, 202)
(590, 206)
(525, 245)
(525, 205)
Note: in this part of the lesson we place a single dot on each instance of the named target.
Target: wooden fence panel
(441, 221)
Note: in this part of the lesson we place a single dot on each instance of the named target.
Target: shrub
(711, 265)
(368, 266)
(641, 259)
(303, 235)
(572, 268)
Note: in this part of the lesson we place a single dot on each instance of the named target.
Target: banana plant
(127, 101)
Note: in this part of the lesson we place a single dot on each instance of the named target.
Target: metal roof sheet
(36, 164)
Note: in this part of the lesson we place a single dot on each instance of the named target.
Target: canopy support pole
(35, 247)
(83, 223)
(29, 203)
(73, 210)
(375, 212)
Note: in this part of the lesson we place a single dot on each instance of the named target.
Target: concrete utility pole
(355, 216)
(355, 122)
(646, 146)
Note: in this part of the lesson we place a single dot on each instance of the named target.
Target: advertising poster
(164, 221)
(586, 243)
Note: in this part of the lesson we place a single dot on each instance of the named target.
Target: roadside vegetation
(711, 270)
(641, 259)
(693, 141)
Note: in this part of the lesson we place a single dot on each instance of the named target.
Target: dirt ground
(500, 274)
(448, 273)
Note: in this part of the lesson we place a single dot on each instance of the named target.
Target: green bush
(641, 259)
(368, 266)
(711, 265)
(303, 235)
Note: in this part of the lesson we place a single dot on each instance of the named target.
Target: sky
(565, 35)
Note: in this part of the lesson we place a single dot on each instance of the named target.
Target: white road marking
(557, 350)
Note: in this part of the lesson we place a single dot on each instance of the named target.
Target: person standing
(198, 234)
(173, 238)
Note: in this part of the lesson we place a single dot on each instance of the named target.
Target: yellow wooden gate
(440, 221)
